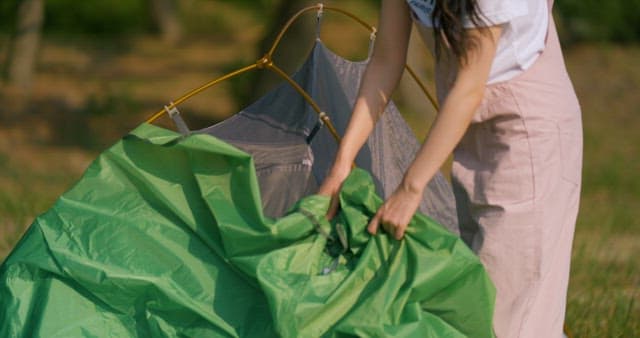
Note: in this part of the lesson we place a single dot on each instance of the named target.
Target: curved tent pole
(426, 92)
(371, 29)
(321, 114)
(267, 62)
(196, 91)
(264, 62)
(318, 7)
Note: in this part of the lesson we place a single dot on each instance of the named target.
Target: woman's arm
(379, 80)
(450, 125)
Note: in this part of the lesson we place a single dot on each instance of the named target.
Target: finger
(399, 233)
(325, 190)
(373, 225)
(334, 205)
(389, 227)
(328, 188)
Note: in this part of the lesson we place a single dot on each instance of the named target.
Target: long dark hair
(448, 20)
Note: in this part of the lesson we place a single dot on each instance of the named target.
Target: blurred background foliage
(103, 66)
(594, 20)
(96, 18)
(581, 20)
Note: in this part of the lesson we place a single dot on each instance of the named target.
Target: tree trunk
(25, 44)
(165, 17)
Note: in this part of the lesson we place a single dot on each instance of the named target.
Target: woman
(510, 115)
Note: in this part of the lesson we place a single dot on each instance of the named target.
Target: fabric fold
(165, 236)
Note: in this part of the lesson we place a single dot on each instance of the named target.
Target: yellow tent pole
(325, 119)
(317, 7)
(361, 22)
(352, 16)
(267, 62)
(286, 27)
(434, 103)
(200, 89)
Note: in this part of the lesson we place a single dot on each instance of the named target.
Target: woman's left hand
(450, 124)
(396, 212)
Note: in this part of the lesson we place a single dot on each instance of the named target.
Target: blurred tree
(25, 43)
(166, 19)
(102, 19)
(595, 20)
(292, 49)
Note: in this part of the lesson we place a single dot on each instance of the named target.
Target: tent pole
(267, 62)
(200, 89)
(434, 103)
(308, 9)
(325, 119)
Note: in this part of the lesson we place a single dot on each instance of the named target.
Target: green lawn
(604, 292)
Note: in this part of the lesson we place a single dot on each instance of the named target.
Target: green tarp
(165, 236)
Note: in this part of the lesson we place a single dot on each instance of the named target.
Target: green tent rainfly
(165, 236)
(217, 233)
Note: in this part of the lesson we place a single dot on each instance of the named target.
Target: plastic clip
(319, 20)
(372, 40)
(322, 116)
(319, 124)
(174, 113)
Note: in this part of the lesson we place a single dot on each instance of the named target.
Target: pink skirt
(516, 176)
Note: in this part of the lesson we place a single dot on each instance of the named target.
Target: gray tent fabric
(276, 131)
(164, 235)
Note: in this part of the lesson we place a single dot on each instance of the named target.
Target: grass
(604, 291)
(86, 97)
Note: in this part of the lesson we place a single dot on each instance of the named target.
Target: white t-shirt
(525, 24)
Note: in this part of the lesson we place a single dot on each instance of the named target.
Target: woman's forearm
(455, 116)
(379, 80)
(378, 83)
(447, 130)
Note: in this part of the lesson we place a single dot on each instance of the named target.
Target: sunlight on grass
(604, 290)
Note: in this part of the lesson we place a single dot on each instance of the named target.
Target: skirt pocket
(571, 154)
(493, 162)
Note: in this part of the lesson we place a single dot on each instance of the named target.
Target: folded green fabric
(164, 236)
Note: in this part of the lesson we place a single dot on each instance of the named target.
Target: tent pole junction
(266, 62)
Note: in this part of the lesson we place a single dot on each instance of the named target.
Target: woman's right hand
(378, 82)
(331, 187)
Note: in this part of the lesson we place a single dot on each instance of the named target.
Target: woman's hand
(396, 212)
(331, 187)
(378, 82)
(450, 125)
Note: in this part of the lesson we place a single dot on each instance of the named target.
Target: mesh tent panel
(274, 129)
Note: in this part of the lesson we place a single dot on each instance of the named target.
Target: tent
(217, 233)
